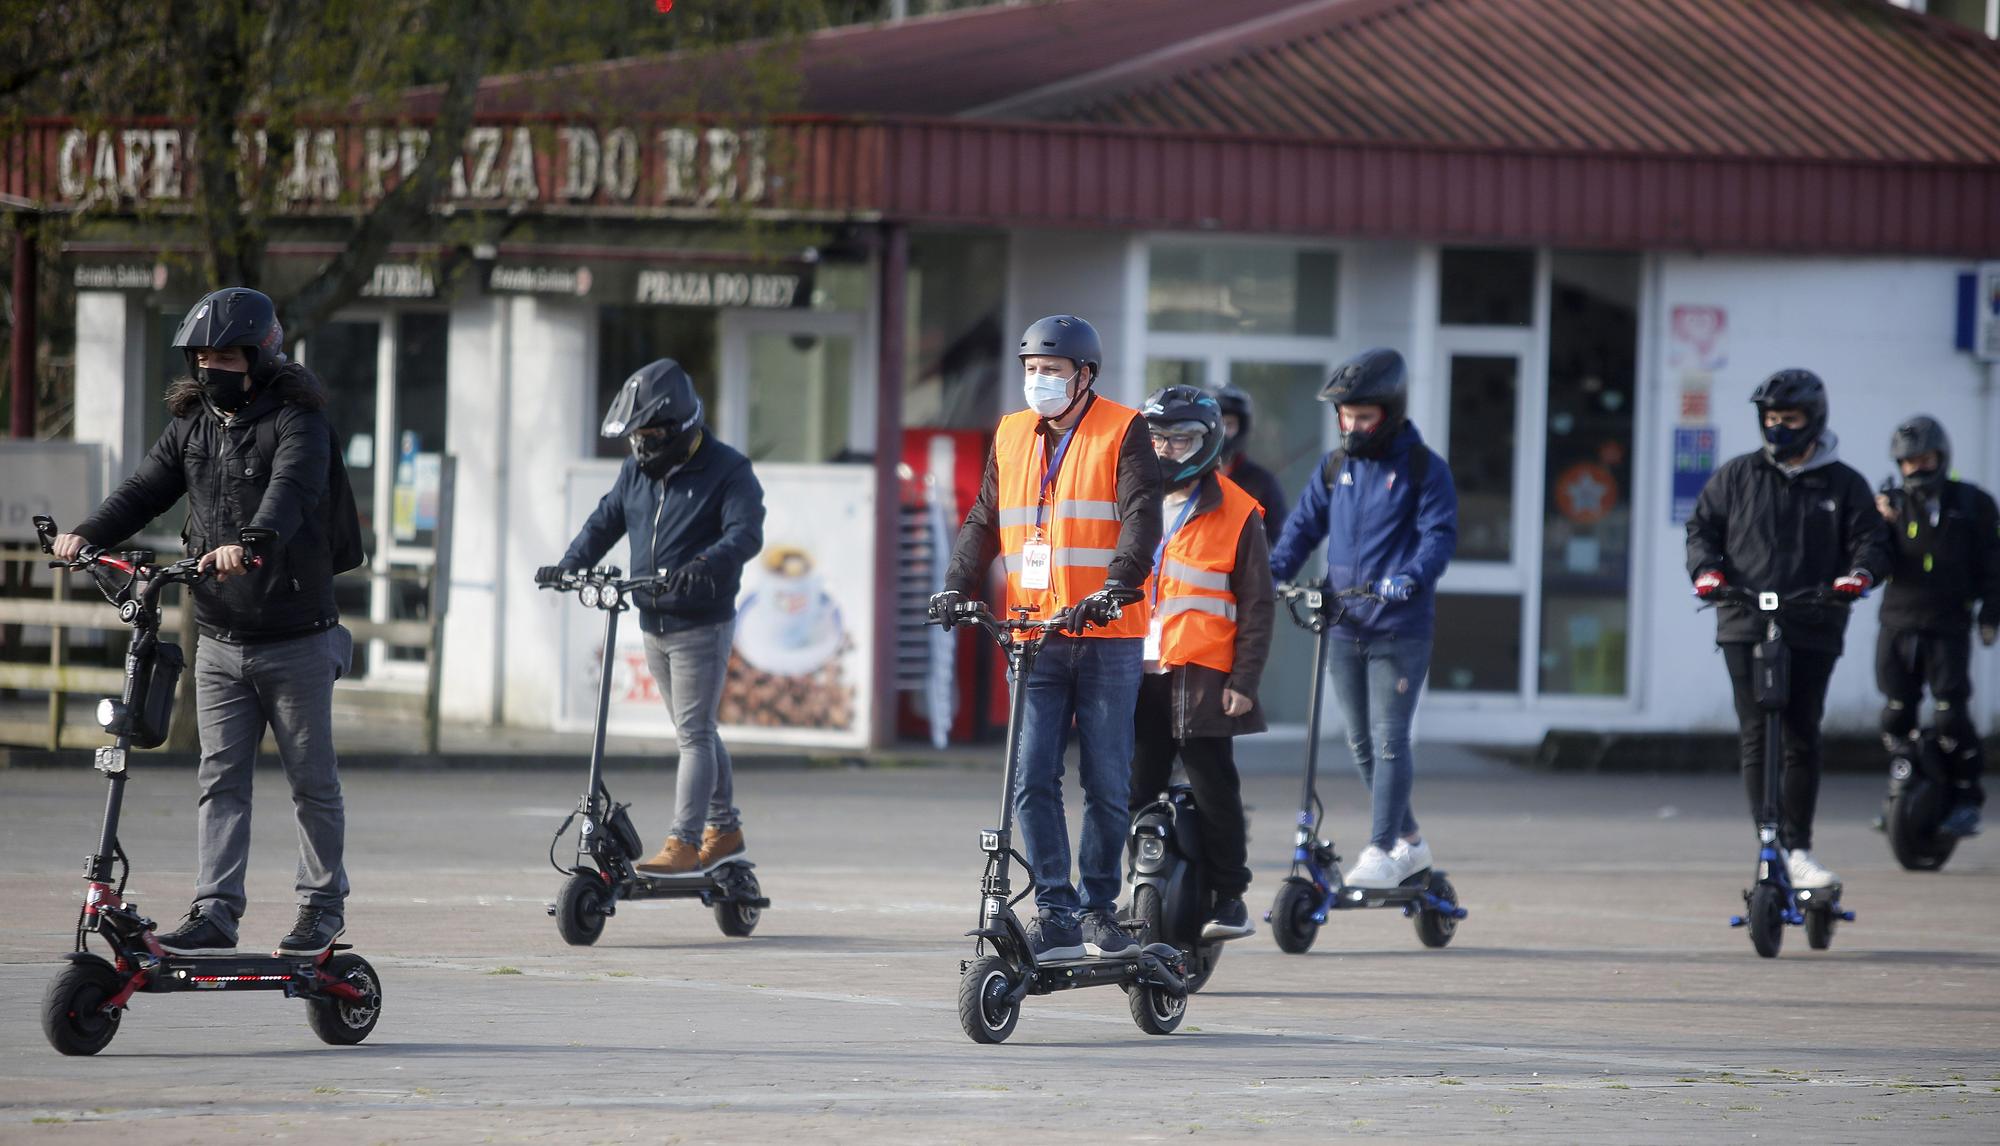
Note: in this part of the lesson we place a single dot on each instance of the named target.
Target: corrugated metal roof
(1803, 79)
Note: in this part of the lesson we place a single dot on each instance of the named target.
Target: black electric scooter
(1315, 889)
(1170, 900)
(607, 844)
(1003, 971)
(1772, 901)
(87, 999)
(1919, 799)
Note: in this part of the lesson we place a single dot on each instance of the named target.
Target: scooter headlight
(589, 596)
(107, 712)
(609, 597)
(1152, 852)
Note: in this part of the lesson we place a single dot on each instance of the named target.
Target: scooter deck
(644, 886)
(235, 971)
(1411, 890)
(1095, 970)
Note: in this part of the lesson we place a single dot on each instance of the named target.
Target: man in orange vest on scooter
(1212, 612)
(1071, 500)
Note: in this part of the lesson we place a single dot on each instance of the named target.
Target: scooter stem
(1312, 722)
(603, 707)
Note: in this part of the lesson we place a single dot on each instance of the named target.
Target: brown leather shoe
(677, 857)
(717, 846)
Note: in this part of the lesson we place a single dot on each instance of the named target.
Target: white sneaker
(1805, 871)
(1410, 858)
(1374, 869)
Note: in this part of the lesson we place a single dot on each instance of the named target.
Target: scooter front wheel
(73, 1014)
(344, 1022)
(983, 1007)
(1767, 920)
(580, 907)
(1912, 820)
(1291, 916)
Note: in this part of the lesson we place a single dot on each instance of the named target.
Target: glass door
(793, 387)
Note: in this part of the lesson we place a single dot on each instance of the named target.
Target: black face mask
(224, 388)
(1924, 483)
(657, 455)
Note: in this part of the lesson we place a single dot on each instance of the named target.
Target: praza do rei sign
(661, 167)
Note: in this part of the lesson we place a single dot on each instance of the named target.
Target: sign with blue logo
(1694, 461)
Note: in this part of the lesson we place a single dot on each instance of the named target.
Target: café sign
(667, 166)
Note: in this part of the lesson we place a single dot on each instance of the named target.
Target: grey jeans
(689, 667)
(240, 689)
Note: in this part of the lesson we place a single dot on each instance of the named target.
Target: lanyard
(1049, 475)
(1160, 553)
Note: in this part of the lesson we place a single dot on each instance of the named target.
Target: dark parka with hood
(213, 460)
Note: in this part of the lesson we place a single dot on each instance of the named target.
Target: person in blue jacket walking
(1388, 512)
(694, 512)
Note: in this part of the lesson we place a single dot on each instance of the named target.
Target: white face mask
(1047, 394)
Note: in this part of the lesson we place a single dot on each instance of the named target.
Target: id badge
(1152, 650)
(1036, 559)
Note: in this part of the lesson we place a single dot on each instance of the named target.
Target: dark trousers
(1210, 762)
(1798, 779)
(1909, 660)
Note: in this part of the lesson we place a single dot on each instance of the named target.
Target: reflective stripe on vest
(1197, 607)
(1080, 519)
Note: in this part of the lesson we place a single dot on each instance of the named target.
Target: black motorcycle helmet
(660, 394)
(1793, 389)
(1235, 401)
(1371, 378)
(1914, 438)
(235, 316)
(1065, 336)
(1186, 410)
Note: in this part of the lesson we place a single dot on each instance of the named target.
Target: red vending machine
(949, 686)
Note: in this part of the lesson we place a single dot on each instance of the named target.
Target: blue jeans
(1093, 682)
(1376, 683)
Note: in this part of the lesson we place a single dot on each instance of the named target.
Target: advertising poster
(1694, 462)
(799, 672)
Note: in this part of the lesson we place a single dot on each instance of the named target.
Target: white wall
(477, 386)
(110, 379)
(1088, 274)
(1879, 331)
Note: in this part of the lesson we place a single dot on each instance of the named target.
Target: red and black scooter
(88, 998)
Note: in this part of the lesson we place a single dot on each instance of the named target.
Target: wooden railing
(65, 610)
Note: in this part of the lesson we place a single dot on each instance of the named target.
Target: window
(1587, 506)
(1484, 391)
(1164, 372)
(957, 296)
(1486, 288)
(1478, 643)
(1264, 289)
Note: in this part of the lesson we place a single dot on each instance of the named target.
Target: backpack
(338, 511)
(1420, 468)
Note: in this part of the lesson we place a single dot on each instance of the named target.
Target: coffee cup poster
(799, 664)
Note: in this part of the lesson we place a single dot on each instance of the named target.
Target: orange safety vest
(1191, 591)
(1078, 512)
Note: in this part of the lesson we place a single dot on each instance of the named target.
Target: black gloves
(1104, 606)
(944, 607)
(692, 581)
(548, 575)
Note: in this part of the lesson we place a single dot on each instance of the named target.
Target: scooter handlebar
(1773, 601)
(1321, 609)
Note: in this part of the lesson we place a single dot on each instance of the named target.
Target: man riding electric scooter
(1787, 518)
(271, 518)
(1944, 555)
(1071, 501)
(695, 515)
(1388, 511)
(1212, 616)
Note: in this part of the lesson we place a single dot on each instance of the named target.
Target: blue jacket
(712, 508)
(1373, 529)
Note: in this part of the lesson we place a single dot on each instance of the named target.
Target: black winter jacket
(1765, 529)
(712, 507)
(1938, 570)
(214, 462)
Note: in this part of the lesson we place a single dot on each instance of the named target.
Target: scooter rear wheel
(580, 908)
(1157, 1010)
(1767, 920)
(344, 1022)
(1291, 916)
(738, 919)
(1435, 928)
(73, 1017)
(1819, 928)
(1912, 821)
(983, 1009)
